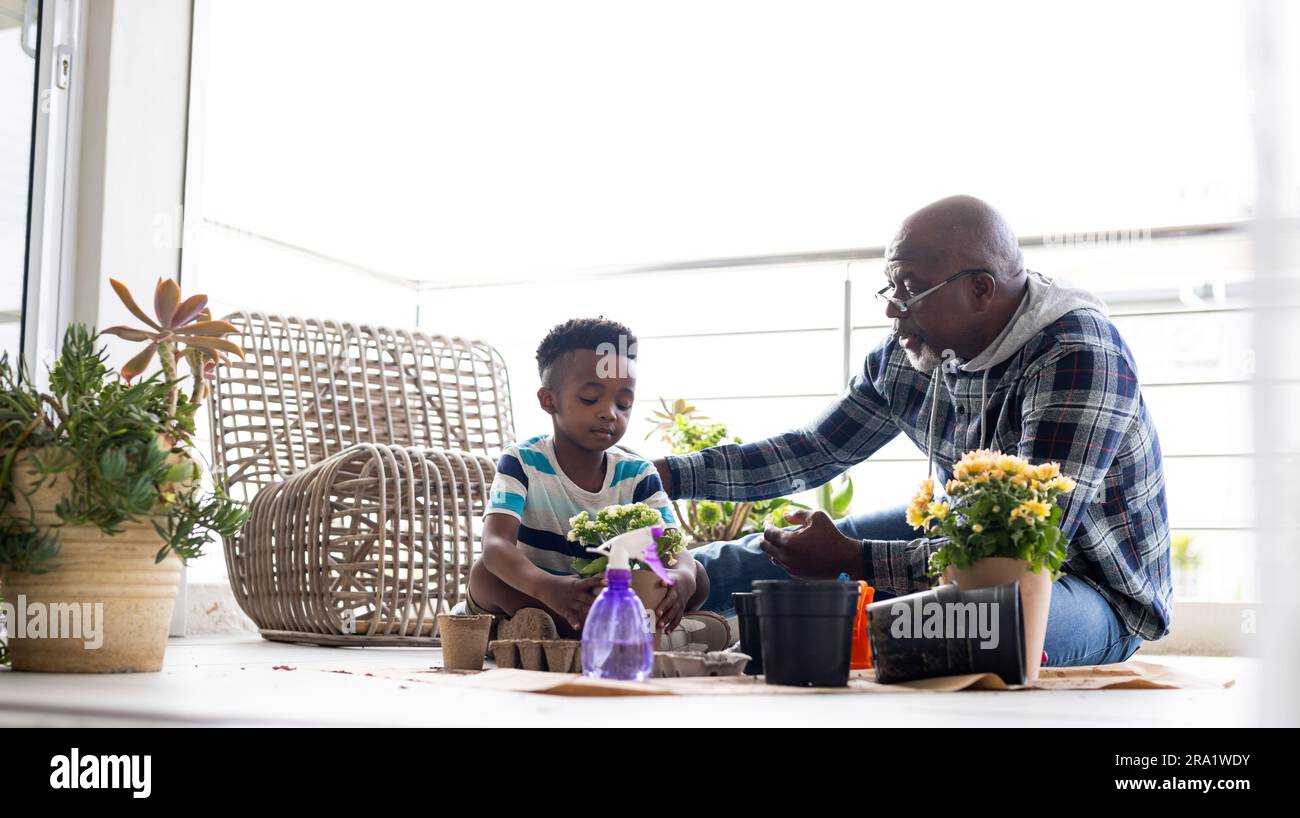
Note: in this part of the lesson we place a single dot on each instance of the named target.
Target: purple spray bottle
(617, 641)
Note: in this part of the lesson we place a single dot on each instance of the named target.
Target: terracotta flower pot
(123, 599)
(1035, 598)
(647, 587)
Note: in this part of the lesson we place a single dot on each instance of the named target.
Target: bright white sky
(492, 139)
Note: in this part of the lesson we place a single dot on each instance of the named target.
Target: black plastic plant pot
(949, 632)
(751, 640)
(807, 631)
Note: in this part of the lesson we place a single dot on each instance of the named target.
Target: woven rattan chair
(366, 453)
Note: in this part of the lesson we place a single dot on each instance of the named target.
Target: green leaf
(179, 472)
(589, 567)
(825, 500)
(842, 500)
(112, 464)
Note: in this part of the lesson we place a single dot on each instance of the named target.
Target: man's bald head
(963, 232)
(967, 250)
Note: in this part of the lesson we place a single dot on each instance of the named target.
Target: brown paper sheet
(1125, 676)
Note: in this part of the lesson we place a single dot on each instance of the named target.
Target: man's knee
(1113, 653)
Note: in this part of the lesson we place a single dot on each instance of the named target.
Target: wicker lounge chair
(368, 454)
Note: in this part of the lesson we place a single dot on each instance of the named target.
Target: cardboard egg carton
(687, 663)
(553, 655)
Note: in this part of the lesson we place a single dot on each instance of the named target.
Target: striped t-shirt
(530, 486)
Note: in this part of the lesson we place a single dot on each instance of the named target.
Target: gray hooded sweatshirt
(1045, 300)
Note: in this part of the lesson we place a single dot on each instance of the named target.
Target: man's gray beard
(924, 361)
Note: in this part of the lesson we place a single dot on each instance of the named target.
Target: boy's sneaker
(699, 630)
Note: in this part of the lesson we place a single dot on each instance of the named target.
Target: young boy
(588, 387)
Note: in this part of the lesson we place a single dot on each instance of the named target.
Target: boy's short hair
(583, 333)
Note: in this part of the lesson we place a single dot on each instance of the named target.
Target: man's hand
(570, 597)
(669, 612)
(816, 551)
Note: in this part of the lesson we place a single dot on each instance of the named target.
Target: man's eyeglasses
(885, 292)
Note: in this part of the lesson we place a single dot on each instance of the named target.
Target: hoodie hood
(1045, 301)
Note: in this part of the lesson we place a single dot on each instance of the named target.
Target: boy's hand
(570, 597)
(672, 607)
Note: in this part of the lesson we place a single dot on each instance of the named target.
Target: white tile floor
(230, 680)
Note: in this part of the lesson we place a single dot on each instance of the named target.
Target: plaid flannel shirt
(1070, 395)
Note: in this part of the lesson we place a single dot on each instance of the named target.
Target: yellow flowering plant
(998, 505)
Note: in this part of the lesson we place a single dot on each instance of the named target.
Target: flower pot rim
(815, 585)
(1022, 562)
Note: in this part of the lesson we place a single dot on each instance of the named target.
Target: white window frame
(1209, 627)
(47, 303)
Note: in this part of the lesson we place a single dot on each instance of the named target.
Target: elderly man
(984, 354)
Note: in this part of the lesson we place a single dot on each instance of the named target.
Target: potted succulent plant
(684, 429)
(611, 521)
(1000, 524)
(100, 494)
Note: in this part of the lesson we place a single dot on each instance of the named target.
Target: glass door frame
(51, 214)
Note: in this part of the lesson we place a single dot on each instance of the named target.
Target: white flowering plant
(611, 521)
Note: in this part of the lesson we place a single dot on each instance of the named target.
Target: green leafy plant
(685, 430)
(836, 500)
(1184, 558)
(180, 329)
(1186, 565)
(611, 521)
(122, 449)
(1000, 506)
(26, 550)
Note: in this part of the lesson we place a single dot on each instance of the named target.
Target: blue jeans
(1082, 627)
